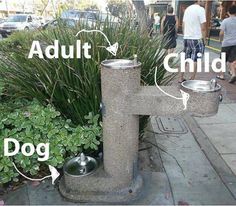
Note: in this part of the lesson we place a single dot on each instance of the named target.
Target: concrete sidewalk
(220, 143)
(221, 131)
(193, 179)
(207, 153)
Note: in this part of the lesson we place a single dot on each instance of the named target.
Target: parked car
(89, 17)
(54, 23)
(40, 19)
(2, 20)
(78, 15)
(18, 22)
(106, 16)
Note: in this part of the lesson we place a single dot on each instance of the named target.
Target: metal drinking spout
(135, 59)
(213, 84)
(83, 159)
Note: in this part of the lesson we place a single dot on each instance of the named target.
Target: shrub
(73, 85)
(29, 122)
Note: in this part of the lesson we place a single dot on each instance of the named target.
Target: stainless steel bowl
(80, 166)
(204, 93)
(201, 86)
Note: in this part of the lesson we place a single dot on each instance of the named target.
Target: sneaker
(232, 79)
(181, 81)
(220, 77)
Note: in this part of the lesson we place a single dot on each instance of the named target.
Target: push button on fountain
(80, 166)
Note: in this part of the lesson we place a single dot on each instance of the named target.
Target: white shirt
(194, 16)
(157, 20)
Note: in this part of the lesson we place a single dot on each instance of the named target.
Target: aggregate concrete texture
(193, 180)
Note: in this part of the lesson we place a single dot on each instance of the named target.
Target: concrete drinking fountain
(117, 179)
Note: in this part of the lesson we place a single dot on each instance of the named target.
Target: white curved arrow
(112, 47)
(54, 174)
(185, 95)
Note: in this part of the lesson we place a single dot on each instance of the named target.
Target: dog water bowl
(80, 166)
(205, 93)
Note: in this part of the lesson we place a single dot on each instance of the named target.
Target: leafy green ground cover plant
(30, 122)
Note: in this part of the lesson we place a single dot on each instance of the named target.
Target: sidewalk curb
(220, 166)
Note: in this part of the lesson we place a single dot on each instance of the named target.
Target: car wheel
(4, 35)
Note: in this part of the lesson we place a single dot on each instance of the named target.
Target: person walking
(194, 29)
(169, 26)
(157, 19)
(228, 39)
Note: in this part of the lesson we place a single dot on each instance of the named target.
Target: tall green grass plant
(73, 86)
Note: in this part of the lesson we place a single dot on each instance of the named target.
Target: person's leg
(232, 60)
(194, 58)
(229, 66)
(173, 45)
(156, 27)
(171, 50)
(233, 68)
(187, 52)
(181, 79)
(198, 49)
(225, 50)
(220, 75)
(194, 73)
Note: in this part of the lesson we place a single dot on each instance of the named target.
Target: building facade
(38, 7)
(216, 10)
(158, 6)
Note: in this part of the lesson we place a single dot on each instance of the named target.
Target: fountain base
(99, 188)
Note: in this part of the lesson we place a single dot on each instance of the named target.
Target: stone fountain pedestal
(118, 179)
